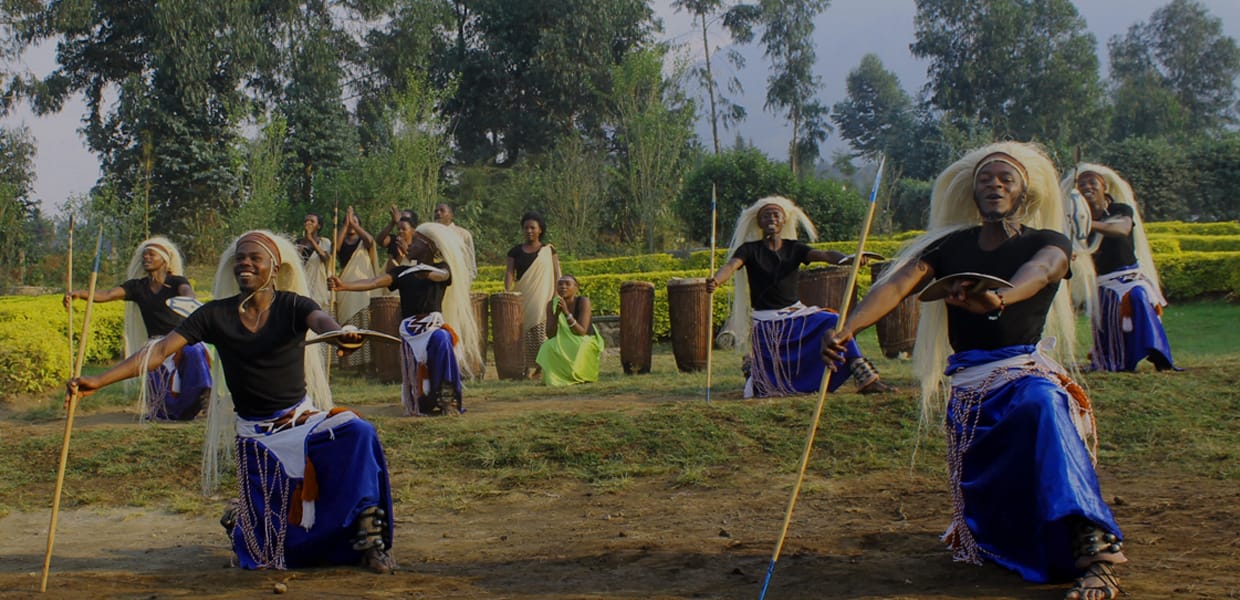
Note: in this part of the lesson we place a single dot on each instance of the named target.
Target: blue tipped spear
(71, 404)
(710, 298)
(826, 377)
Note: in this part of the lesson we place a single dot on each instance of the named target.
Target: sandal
(1098, 583)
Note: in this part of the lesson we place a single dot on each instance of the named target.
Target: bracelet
(998, 312)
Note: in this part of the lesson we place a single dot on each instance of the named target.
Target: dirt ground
(852, 538)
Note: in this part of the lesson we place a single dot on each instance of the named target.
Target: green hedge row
(1180, 227)
(34, 349)
(1188, 275)
(1169, 242)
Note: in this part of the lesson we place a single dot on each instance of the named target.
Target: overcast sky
(845, 32)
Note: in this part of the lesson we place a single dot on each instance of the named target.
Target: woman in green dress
(573, 348)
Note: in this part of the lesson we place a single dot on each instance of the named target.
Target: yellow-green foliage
(34, 349)
(1197, 242)
(1191, 274)
(1164, 245)
(1180, 227)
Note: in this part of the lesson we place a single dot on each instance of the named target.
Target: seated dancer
(1126, 307)
(1020, 433)
(439, 330)
(573, 348)
(312, 482)
(176, 389)
(786, 334)
(315, 251)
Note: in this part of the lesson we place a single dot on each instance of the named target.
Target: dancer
(786, 334)
(1126, 306)
(385, 236)
(312, 481)
(444, 215)
(439, 330)
(178, 388)
(573, 348)
(315, 251)
(533, 267)
(1020, 433)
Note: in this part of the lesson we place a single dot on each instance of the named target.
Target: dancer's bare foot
(1098, 583)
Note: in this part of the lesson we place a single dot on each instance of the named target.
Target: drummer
(439, 330)
(786, 334)
(178, 389)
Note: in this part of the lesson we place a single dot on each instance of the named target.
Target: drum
(636, 326)
(385, 318)
(479, 301)
(824, 287)
(508, 341)
(897, 330)
(688, 307)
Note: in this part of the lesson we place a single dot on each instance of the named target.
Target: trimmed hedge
(34, 353)
(1198, 242)
(1180, 227)
(1189, 275)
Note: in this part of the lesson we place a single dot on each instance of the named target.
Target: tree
(1023, 69)
(704, 10)
(787, 34)
(877, 111)
(530, 71)
(167, 142)
(1180, 50)
(18, 211)
(573, 187)
(319, 135)
(653, 129)
(744, 175)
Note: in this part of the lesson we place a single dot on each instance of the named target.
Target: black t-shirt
(158, 318)
(522, 260)
(1115, 253)
(347, 248)
(1020, 323)
(773, 276)
(418, 295)
(265, 370)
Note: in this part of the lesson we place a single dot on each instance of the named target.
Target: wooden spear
(71, 406)
(710, 321)
(826, 378)
(69, 290)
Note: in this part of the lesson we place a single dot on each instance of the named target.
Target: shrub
(1199, 243)
(1180, 227)
(1192, 274)
(34, 347)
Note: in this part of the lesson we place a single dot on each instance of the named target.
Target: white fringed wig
(1121, 193)
(135, 329)
(748, 230)
(220, 415)
(952, 208)
(458, 308)
(137, 338)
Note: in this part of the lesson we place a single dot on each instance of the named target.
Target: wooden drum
(479, 301)
(824, 287)
(688, 307)
(636, 326)
(385, 318)
(508, 343)
(897, 330)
